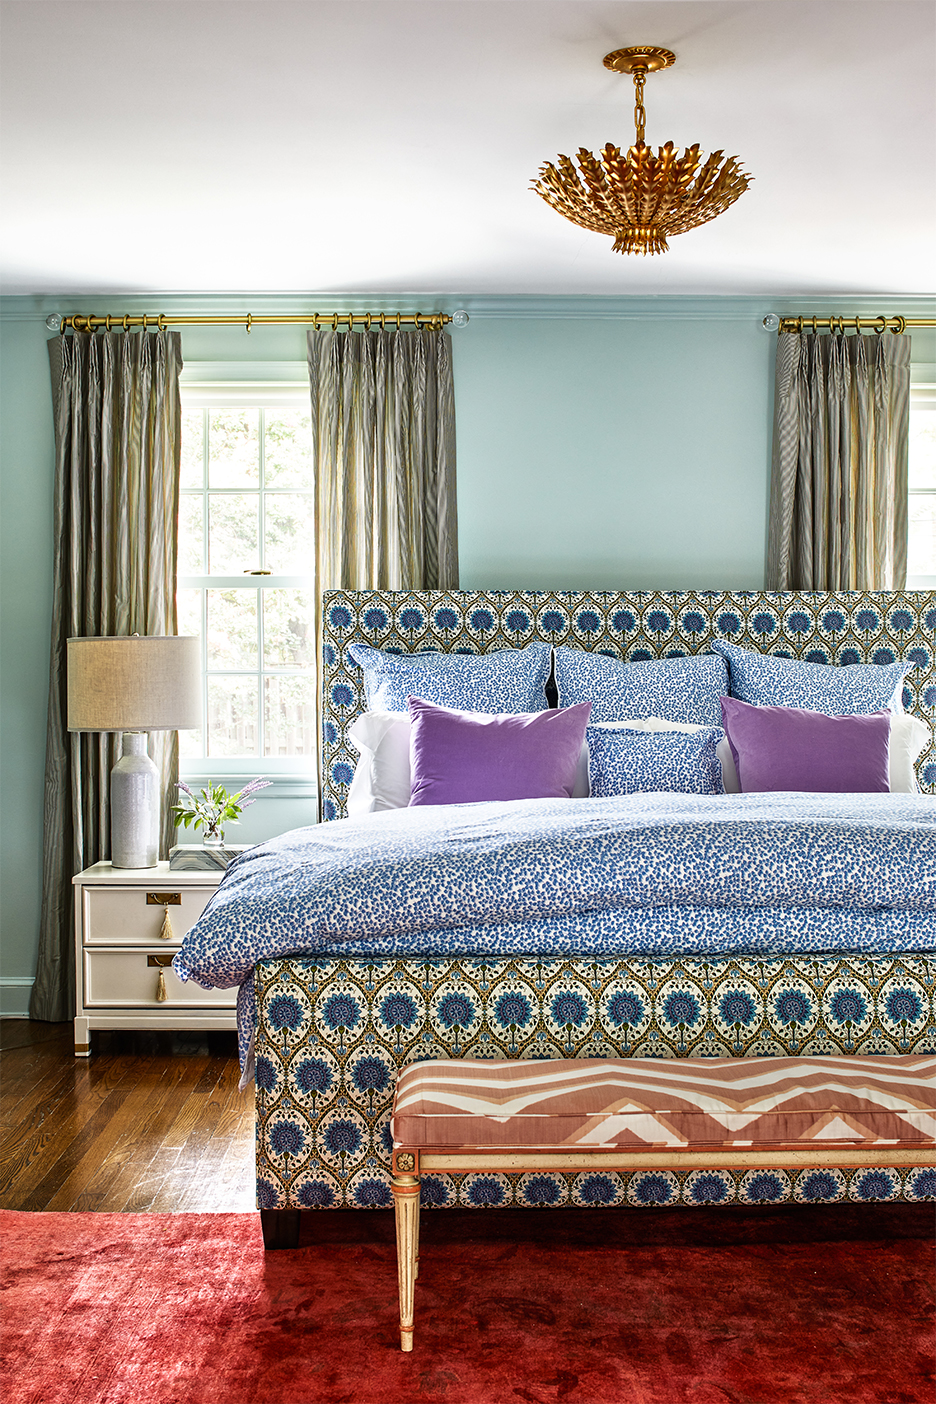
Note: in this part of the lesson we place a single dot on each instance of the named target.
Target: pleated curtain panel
(838, 494)
(383, 443)
(117, 455)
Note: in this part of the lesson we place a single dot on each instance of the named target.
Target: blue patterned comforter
(637, 874)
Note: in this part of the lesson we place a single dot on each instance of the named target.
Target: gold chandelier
(641, 197)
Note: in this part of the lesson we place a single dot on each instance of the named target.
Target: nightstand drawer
(125, 980)
(131, 916)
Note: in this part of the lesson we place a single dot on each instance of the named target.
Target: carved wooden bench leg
(406, 1212)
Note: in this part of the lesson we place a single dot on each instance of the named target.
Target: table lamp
(134, 685)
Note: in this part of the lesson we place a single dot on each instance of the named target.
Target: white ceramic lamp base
(134, 793)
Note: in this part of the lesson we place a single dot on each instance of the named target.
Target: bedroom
(574, 358)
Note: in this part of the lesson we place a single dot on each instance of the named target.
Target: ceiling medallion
(641, 197)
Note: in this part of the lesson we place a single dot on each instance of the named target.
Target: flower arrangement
(212, 808)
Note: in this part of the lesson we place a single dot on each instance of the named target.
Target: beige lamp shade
(134, 684)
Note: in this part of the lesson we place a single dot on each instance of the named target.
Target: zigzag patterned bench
(696, 1114)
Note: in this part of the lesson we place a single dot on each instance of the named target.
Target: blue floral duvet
(647, 874)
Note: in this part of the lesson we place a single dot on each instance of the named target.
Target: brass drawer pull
(159, 961)
(164, 899)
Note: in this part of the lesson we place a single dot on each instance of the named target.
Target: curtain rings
(857, 324)
(398, 321)
(126, 322)
(249, 322)
(161, 324)
(901, 326)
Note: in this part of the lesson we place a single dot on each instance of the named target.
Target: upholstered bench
(634, 1113)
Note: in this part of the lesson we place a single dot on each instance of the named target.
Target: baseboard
(15, 991)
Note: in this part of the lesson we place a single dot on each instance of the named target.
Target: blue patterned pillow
(510, 681)
(625, 761)
(854, 690)
(678, 689)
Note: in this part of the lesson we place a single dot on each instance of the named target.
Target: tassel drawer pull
(165, 931)
(161, 995)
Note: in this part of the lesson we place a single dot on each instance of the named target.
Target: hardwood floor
(150, 1123)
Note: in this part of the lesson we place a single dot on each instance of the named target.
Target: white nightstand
(123, 946)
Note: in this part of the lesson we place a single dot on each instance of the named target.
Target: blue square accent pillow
(677, 689)
(513, 680)
(858, 689)
(626, 761)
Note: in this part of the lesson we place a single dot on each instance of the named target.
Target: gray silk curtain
(838, 492)
(383, 436)
(115, 398)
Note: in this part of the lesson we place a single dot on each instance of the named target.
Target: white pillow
(908, 736)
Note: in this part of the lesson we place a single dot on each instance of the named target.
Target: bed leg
(280, 1228)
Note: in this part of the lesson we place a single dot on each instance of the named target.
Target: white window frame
(266, 385)
(922, 392)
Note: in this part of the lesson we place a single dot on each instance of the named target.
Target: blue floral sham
(626, 761)
(676, 689)
(510, 681)
(856, 689)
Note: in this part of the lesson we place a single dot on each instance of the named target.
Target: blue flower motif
(906, 698)
(866, 620)
(512, 1008)
(486, 1192)
(329, 654)
(342, 696)
(375, 619)
(287, 1138)
(386, 1138)
(640, 655)
(370, 1075)
(315, 1194)
(455, 1011)
(398, 1011)
(653, 1189)
(433, 1192)
(342, 1138)
(681, 1007)
(929, 775)
(728, 623)
(901, 621)
(693, 623)
(517, 621)
(903, 1004)
(482, 620)
(541, 1189)
(883, 656)
(588, 622)
(848, 656)
(737, 1007)
(552, 622)
(792, 1007)
(569, 1008)
(833, 621)
(929, 619)
(622, 621)
(764, 1186)
(875, 1184)
(266, 1194)
(446, 620)
(411, 620)
(331, 732)
(597, 1189)
(817, 655)
(919, 657)
(798, 622)
(339, 617)
(372, 1194)
(342, 773)
(625, 1008)
(848, 1007)
(284, 1012)
(929, 696)
(265, 1074)
(708, 1189)
(923, 1184)
(330, 810)
(819, 1185)
(658, 621)
(314, 1075)
(341, 1011)
(763, 624)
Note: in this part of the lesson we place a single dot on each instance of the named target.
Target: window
(921, 552)
(245, 583)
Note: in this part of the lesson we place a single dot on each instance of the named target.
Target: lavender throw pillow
(465, 757)
(785, 748)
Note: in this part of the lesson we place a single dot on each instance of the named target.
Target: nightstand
(129, 922)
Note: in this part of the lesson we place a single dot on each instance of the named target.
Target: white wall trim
(15, 991)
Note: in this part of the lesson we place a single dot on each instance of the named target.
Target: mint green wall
(611, 443)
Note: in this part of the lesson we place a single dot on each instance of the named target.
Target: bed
(336, 1016)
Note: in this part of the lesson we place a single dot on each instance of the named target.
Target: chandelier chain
(640, 112)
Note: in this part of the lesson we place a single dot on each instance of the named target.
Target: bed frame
(332, 1032)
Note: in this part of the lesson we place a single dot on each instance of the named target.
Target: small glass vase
(213, 840)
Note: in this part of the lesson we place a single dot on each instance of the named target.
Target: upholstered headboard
(837, 628)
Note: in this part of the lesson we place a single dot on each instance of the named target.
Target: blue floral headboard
(853, 627)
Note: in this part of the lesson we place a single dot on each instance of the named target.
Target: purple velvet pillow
(463, 757)
(785, 748)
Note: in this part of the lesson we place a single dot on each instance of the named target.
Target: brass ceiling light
(641, 197)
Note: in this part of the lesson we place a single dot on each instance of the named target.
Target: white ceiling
(387, 146)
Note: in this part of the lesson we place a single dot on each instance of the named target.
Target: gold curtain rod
(895, 324)
(80, 322)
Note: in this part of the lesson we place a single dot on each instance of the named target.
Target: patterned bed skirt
(333, 1032)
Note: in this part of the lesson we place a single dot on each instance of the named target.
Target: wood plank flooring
(150, 1123)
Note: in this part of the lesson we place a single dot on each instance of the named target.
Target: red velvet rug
(790, 1306)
